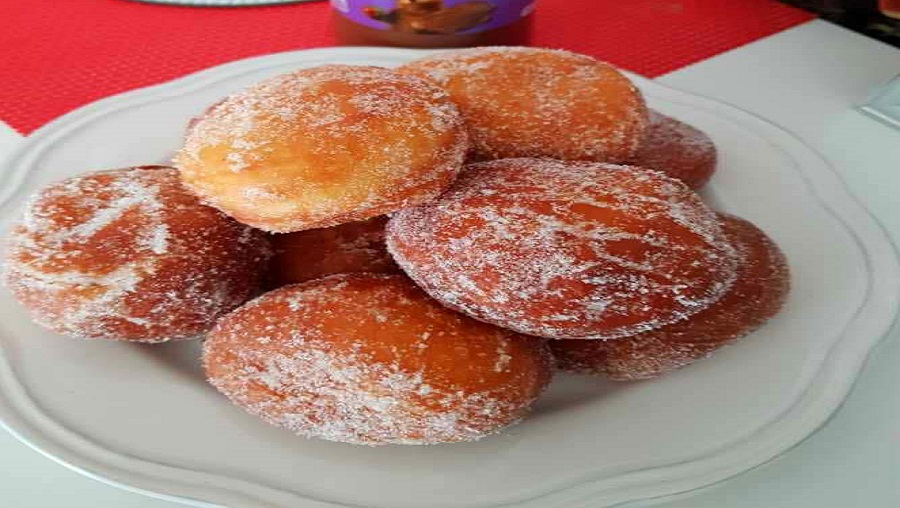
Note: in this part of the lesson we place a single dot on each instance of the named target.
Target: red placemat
(56, 55)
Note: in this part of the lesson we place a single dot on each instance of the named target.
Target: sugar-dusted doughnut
(130, 254)
(678, 150)
(576, 250)
(349, 248)
(534, 102)
(323, 146)
(371, 359)
(757, 294)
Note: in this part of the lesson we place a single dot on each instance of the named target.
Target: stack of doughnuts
(405, 256)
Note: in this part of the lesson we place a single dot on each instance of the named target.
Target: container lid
(223, 3)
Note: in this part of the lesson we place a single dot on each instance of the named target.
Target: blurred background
(876, 18)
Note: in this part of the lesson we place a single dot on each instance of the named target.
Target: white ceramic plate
(142, 416)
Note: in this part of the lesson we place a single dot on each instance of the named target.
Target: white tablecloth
(807, 79)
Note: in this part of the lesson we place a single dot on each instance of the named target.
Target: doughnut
(314, 253)
(757, 294)
(370, 359)
(565, 250)
(324, 146)
(678, 150)
(534, 102)
(130, 254)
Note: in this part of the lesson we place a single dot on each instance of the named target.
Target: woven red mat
(56, 55)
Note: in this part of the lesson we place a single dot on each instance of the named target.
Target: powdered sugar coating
(566, 249)
(758, 293)
(370, 359)
(678, 150)
(349, 248)
(130, 254)
(323, 146)
(535, 102)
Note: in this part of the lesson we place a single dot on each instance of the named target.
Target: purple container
(438, 17)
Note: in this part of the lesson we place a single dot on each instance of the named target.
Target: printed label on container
(440, 17)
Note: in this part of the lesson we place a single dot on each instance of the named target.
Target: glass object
(432, 23)
(885, 104)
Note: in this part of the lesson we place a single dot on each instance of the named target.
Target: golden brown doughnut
(678, 150)
(535, 102)
(130, 254)
(370, 359)
(576, 250)
(757, 294)
(349, 248)
(323, 146)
